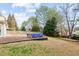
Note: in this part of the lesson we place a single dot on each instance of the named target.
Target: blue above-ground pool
(35, 35)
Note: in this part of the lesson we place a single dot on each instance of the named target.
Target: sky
(21, 11)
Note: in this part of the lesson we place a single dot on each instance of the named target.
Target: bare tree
(70, 15)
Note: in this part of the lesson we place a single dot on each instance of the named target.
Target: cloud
(32, 10)
(20, 17)
(19, 14)
(26, 5)
(29, 7)
(37, 5)
(4, 12)
(18, 5)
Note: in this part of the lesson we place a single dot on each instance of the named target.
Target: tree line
(53, 21)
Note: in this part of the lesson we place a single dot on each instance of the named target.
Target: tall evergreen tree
(11, 22)
(14, 24)
(50, 27)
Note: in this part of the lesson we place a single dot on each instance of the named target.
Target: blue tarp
(37, 35)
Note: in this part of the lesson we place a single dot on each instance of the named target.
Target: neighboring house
(28, 27)
(2, 26)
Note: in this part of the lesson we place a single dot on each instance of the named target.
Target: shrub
(23, 28)
(75, 35)
(35, 28)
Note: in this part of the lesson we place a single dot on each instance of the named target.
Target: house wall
(3, 30)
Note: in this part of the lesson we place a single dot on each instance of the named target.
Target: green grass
(21, 51)
(51, 47)
(24, 50)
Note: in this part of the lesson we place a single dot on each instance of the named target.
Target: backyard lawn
(50, 47)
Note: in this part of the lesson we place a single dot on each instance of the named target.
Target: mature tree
(11, 22)
(50, 28)
(41, 15)
(32, 20)
(24, 23)
(52, 12)
(35, 25)
(70, 12)
(44, 13)
(14, 23)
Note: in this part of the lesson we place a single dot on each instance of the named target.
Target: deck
(13, 39)
(4, 40)
(17, 37)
